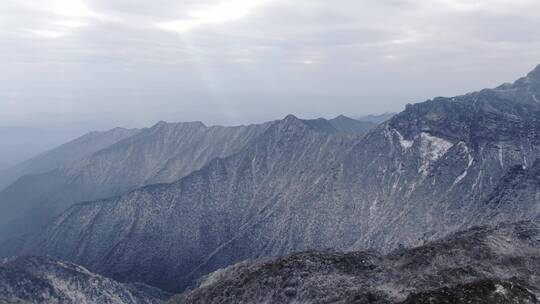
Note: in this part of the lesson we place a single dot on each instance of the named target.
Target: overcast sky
(102, 63)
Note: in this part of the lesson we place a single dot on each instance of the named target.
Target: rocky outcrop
(43, 280)
(481, 265)
(482, 292)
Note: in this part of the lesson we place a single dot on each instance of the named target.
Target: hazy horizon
(73, 66)
(148, 153)
(131, 63)
(23, 143)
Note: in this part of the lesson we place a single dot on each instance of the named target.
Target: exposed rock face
(43, 280)
(163, 153)
(302, 185)
(516, 197)
(482, 265)
(482, 292)
(441, 160)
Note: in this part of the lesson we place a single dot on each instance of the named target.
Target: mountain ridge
(419, 176)
(161, 153)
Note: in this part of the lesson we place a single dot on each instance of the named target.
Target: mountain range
(111, 165)
(433, 169)
(107, 164)
(168, 205)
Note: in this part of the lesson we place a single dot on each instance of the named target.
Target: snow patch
(373, 207)
(500, 289)
(215, 276)
(405, 144)
(431, 149)
(477, 180)
(469, 164)
(501, 162)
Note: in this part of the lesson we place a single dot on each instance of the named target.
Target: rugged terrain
(43, 280)
(431, 170)
(183, 223)
(107, 164)
(92, 169)
(481, 265)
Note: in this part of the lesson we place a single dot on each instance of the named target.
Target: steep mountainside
(516, 197)
(43, 280)
(482, 265)
(442, 158)
(175, 230)
(65, 154)
(163, 153)
(302, 185)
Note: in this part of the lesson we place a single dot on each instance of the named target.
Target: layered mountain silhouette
(433, 169)
(213, 206)
(107, 164)
(481, 265)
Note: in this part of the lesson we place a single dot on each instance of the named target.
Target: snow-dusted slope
(492, 265)
(43, 280)
(301, 185)
(516, 197)
(162, 233)
(163, 153)
(442, 159)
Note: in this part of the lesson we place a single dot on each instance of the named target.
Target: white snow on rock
(500, 289)
(469, 164)
(405, 144)
(44, 280)
(431, 149)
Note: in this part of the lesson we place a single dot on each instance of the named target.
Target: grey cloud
(309, 57)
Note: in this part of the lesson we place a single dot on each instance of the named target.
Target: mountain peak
(161, 123)
(318, 125)
(342, 117)
(291, 118)
(535, 74)
(166, 125)
(341, 123)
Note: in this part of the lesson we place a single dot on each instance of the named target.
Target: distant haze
(21, 143)
(97, 64)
